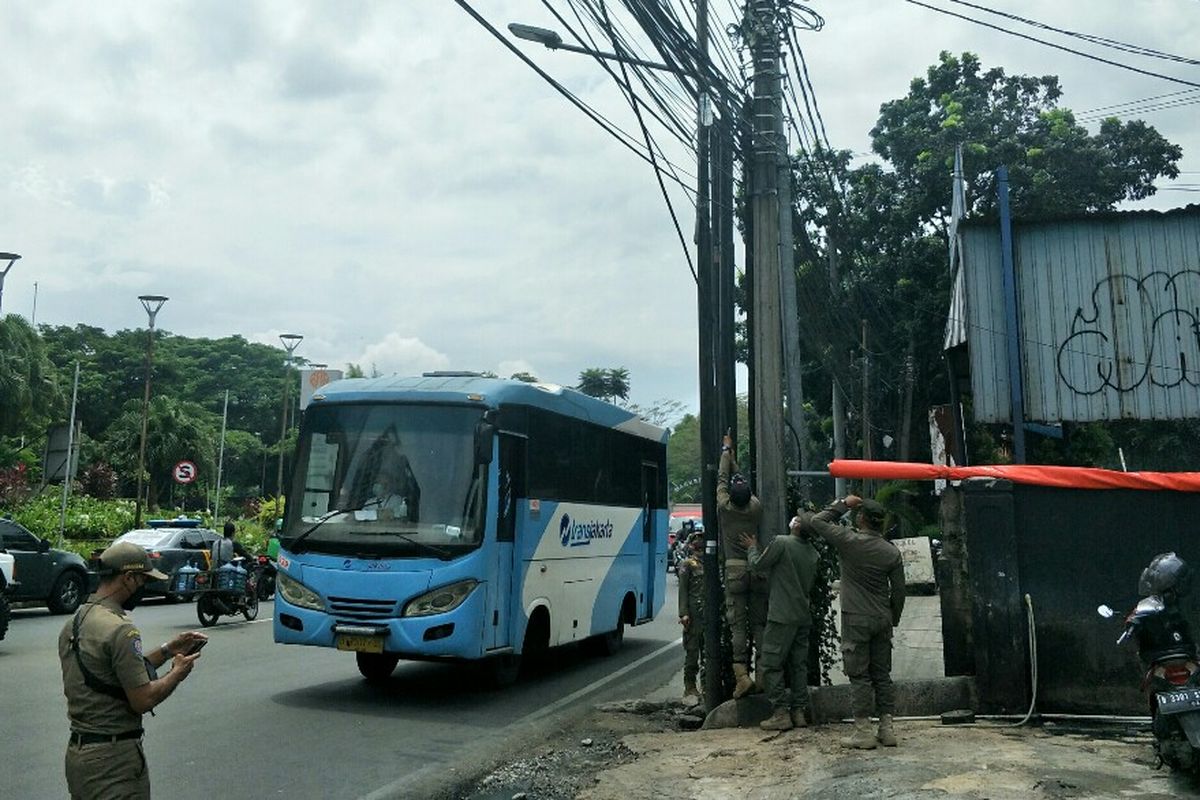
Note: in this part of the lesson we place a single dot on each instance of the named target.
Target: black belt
(104, 738)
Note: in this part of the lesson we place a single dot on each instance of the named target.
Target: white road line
(390, 790)
(591, 687)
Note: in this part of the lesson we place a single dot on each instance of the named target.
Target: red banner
(1060, 477)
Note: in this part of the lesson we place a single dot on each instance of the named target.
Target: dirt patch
(637, 751)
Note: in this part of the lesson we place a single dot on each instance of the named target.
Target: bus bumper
(457, 634)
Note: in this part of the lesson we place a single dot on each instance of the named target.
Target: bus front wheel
(376, 667)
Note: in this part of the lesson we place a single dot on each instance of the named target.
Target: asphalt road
(257, 719)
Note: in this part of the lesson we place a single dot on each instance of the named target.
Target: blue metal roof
(489, 392)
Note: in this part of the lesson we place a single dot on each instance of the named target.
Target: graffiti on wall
(1133, 331)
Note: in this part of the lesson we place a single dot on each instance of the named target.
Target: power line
(1064, 48)
(614, 131)
(1103, 41)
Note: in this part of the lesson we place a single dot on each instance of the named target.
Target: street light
(11, 258)
(152, 303)
(553, 41)
(290, 342)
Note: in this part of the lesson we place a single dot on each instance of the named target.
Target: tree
(28, 381)
(884, 226)
(606, 384)
(524, 377)
(176, 430)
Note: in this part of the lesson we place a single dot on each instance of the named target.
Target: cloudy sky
(387, 180)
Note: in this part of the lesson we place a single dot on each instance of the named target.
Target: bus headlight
(439, 601)
(297, 593)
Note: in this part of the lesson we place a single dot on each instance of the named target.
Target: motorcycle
(1166, 647)
(228, 591)
(264, 576)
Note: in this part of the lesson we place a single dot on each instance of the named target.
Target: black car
(172, 543)
(45, 574)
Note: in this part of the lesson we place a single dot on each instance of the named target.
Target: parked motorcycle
(227, 591)
(1166, 647)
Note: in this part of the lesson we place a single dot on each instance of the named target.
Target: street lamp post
(152, 303)
(290, 342)
(11, 258)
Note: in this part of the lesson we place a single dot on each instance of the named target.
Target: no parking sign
(184, 472)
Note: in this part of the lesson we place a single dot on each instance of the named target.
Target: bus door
(510, 490)
(649, 534)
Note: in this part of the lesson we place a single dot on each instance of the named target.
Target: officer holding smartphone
(110, 680)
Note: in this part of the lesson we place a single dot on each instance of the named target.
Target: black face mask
(131, 602)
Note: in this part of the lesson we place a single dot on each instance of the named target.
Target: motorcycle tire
(266, 587)
(250, 605)
(207, 611)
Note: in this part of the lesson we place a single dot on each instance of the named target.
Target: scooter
(1166, 647)
(228, 591)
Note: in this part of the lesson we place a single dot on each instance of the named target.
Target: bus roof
(490, 392)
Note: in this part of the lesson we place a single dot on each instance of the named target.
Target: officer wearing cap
(110, 680)
(872, 602)
(740, 513)
(691, 612)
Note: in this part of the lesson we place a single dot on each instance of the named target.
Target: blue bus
(457, 517)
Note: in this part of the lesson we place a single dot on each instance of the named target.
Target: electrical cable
(599, 119)
(1064, 48)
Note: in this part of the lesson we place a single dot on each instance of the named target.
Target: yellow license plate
(360, 644)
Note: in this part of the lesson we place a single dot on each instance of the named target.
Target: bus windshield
(387, 480)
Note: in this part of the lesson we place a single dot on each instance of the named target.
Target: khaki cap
(128, 557)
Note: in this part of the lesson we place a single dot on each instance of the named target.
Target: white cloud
(388, 180)
(401, 355)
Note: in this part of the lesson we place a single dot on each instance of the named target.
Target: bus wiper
(320, 521)
(439, 552)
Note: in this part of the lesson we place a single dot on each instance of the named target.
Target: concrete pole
(69, 471)
(290, 342)
(766, 323)
(11, 258)
(221, 456)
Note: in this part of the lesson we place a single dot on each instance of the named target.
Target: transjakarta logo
(574, 534)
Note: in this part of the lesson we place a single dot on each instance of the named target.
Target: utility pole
(153, 303)
(868, 451)
(290, 342)
(838, 410)
(766, 321)
(798, 442)
(707, 321)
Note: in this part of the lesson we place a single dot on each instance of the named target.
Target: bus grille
(357, 608)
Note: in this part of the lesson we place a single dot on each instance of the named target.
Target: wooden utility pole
(766, 323)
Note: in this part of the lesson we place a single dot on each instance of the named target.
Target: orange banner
(1060, 477)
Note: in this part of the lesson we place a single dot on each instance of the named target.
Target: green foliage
(88, 519)
(269, 510)
(606, 384)
(898, 498)
(882, 229)
(29, 384)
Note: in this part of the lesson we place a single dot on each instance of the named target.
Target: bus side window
(511, 487)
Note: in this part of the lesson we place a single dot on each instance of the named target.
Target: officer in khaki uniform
(110, 680)
(691, 612)
(790, 566)
(872, 602)
(740, 513)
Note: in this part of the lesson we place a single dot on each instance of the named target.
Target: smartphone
(195, 647)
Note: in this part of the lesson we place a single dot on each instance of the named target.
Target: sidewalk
(983, 760)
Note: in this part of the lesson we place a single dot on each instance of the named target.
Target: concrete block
(914, 698)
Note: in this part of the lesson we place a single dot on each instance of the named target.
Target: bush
(99, 480)
(88, 519)
(269, 510)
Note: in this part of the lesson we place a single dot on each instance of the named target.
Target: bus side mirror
(485, 434)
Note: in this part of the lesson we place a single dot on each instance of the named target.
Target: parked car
(58, 578)
(172, 543)
(7, 586)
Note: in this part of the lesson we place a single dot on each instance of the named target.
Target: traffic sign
(184, 472)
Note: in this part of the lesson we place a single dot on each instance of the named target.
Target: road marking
(591, 687)
(390, 790)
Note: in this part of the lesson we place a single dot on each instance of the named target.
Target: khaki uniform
(691, 604)
(790, 564)
(872, 602)
(745, 596)
(110, 646)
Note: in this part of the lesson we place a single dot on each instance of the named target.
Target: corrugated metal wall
(1110, 317)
